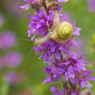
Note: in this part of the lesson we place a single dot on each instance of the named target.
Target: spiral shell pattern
(65, 30)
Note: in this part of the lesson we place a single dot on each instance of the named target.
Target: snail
(61, 32)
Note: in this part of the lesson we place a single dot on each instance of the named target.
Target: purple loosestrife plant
(63, 65)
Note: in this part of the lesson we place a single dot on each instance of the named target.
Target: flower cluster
(40, 23)
(34, 3)
(63, 65)
(8, 58)
(73, 70)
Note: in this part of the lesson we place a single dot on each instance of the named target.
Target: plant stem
(45, 6)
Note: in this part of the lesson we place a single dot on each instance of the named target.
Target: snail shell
(63, 32)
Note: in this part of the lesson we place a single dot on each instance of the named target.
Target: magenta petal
(88, 84)
(74, 55)
(53, 47)
(25, 7)
(60, 71)
(47, 69)
(87, 73)
(73, 23)
(76, 31)
(47, 80)
(57, 55)
(62, 0)
(73, 80)
(91, 78)
(70, 72)
(54, 90)
(73, 93)
(85, 84)
(30, 32)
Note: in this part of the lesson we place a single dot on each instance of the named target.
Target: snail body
(61, 32)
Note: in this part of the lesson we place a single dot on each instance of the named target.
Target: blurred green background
(16, 20)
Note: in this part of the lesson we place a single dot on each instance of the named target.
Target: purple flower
(59, 7)
(91, 4)
(7, 40)
(34, 3)
(62, 0)
(13, 59)
(40, 23)
(25, 7)
(69, 73)
(84, 83)
(66, 91)
(73, 69)
(56, 91)
(55, 74)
